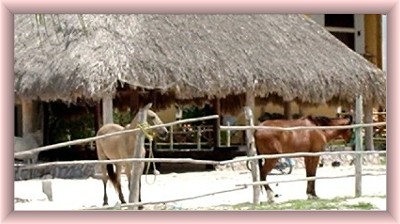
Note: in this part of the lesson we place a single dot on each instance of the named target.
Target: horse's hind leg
(118, 183)
(311, 163)
(265, 169)
(104, 178)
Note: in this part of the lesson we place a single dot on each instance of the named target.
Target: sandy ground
(88, 193)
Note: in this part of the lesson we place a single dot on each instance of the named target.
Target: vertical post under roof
(255, 171)
(27, 117)
(287, 110)
(107, 110)
(216, 123)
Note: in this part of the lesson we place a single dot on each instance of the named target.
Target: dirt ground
(77, 194)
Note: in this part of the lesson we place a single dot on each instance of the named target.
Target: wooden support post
(359, 146)
(137, 168)
(255, 171)
(171, 137)
(46, 123)
(216, 123)
(107, 110)
(27, 117)
(301, 110)
(369, 131)
(97, 117)
(198, 137)
(228, 135)
(287, 110)
(47, 187)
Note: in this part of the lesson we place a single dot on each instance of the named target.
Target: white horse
(28, 142)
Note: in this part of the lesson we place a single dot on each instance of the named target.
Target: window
(346, 38)
(339, 20)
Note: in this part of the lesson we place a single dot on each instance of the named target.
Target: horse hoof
(141, 207)
(312, 197)
(277, 195)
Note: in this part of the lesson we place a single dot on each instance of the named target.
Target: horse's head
(345, 134)
(153, 119)
(348, 133)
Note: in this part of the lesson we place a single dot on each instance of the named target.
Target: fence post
(359, 145)
(137, 167)
(198, 137)
(255, 171)
(107, 106)
(228, 135)
(171, 137)
(369, 131)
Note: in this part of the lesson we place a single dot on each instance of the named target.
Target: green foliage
(194, 111)
(122, 118)
(63, 130)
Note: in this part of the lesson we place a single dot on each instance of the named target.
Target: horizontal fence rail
(128, 205)
(193, 161)
(307, 179)
(243, 128)
(205, 162)
(90, 139)
(237, 128)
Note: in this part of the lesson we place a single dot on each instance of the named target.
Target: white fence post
(137, 168)
(358, 146)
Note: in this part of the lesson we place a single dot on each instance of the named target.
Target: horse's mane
(319, 120)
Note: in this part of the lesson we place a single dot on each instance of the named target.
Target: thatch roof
(186, 57)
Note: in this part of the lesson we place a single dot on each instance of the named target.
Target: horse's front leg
(128, 171)
(311, 163)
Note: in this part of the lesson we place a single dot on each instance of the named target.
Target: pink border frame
(9, 7)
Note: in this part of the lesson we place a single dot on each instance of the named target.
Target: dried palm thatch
(189, 58)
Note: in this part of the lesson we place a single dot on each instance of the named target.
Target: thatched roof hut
(189, 58)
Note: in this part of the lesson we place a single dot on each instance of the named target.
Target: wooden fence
(133, 204)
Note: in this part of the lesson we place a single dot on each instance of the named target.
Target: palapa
(185, 58)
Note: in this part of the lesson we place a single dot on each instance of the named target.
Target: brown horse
(276, 142)
(121, 147)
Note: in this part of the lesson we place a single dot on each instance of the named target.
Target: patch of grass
(363, 206)
(316, 204)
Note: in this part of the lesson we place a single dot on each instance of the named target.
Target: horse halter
(149, 133)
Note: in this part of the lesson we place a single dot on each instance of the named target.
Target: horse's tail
(112, 175)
